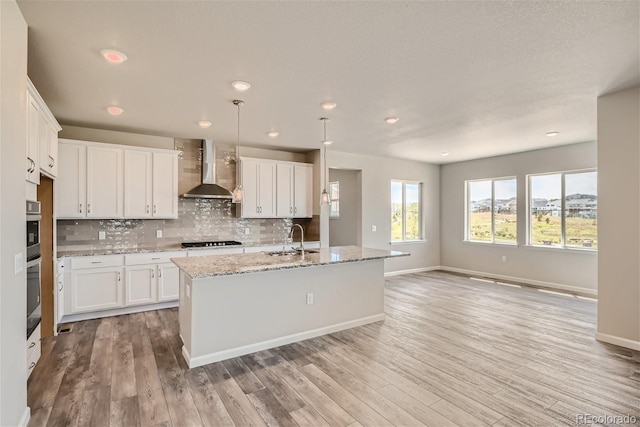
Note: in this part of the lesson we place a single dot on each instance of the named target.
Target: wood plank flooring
(451, 351)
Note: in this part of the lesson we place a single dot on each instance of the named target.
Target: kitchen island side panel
(238, 314)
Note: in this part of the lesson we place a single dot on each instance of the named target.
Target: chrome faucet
(301, 236)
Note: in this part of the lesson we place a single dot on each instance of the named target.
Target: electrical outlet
(504, 258)
(309, 299)
(18, 263)
(373, 228)
(102, 235)
(158, 233)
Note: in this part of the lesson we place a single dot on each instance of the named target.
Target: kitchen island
(231, 305)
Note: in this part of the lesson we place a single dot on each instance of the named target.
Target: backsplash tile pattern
(198, 219)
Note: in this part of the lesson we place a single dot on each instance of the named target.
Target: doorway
(345, 221)
(45, 197)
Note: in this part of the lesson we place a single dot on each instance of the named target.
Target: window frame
(467, 211)
(420, 237)
(331, 215)
(563, 218)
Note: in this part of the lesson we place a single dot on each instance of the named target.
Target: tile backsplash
(198, 219)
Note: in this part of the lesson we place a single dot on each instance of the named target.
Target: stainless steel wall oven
(33, 266)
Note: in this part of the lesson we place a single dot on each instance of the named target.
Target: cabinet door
(104, 182)
(168, 282)
(96, 289)
(140, 285)
(33, 140)
(303, 191)
(137, 184)
(249, 206)
(165, 185)
(43, 144)
(53, 150)
(71, 185)
(284, 190)
(267, 189)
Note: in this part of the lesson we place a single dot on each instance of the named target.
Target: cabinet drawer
(153, 258)
(96, 261)
(33, 358)
(33, 341)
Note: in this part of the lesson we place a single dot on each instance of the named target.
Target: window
(492, 211)
(334, 199)
(563, 209)
(406, 211)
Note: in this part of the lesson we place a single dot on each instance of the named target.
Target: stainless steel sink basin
(291, 252)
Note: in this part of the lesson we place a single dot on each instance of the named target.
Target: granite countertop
(224, 265)
(150, 249)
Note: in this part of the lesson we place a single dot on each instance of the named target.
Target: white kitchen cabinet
(259, 185)
(95, 289)
(33, 350)
(140, 285)
(104, 182)
(294, 190)
(165, 185)
(168, 282)
(138, 175)
(71, 194)
(33, 139)
(48, 147)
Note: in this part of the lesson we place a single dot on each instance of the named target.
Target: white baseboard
(194, 362)
(116, 312)
(411, 270)
(26, 416)
(622, 342)
(536, 283)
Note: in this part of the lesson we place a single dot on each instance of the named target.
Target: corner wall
(560, 268)
(619, 218)
(376, 176)
(13, 138)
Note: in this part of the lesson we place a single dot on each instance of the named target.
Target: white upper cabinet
(114, 181)
(71, 194)
(294, 190)
(42, 137)
(33, 140)
(165, 185)
(138, 177)
(259, 185)
(104, 182)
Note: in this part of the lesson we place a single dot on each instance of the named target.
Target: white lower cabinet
(33, 350)
(168, 282)
(140, 285)
(96, 289)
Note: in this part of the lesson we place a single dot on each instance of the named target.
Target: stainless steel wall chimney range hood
(208, 189)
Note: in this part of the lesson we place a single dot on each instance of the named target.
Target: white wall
(13, 137)
(343, 231)
(376, 176)
(619, 218)
(565, 269)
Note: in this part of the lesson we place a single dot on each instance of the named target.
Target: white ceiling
(475, 79)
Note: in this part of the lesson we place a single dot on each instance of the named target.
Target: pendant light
(238, 192)
(324, 196)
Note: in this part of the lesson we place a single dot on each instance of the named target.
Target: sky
(504, 189)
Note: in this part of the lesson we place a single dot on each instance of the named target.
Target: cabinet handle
(147, 208)
(88, 207)
(154, 208)
(32, 365)
(290, 209)
(80, 207)
(33, 344)
(160, 273)
(61, 288)
(295, 210)
(157, 257)
(118, 276)
(33, 168)
(96, 262)
(153, 275)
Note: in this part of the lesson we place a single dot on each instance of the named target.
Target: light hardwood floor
(451, 352)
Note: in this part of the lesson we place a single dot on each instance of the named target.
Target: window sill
(564, 249)
(474, 242)
(406, 242)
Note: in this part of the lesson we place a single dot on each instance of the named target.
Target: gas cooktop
(215, 243)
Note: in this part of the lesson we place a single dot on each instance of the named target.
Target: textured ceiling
(475, 79)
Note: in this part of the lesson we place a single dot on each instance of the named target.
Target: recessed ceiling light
(273, 133)
(444, 153)
(329, 105)
(204, 124)
(554, 133)
(240, 86)
(115, 111)
(113, 56)
(391, 120)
